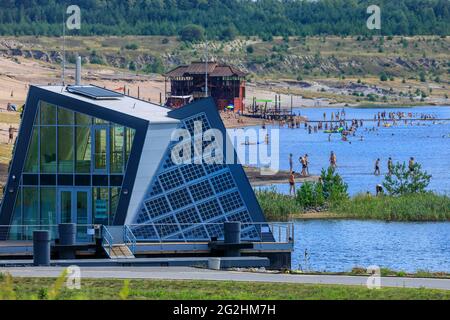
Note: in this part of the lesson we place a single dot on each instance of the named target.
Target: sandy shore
(315, 216)
(281, 177)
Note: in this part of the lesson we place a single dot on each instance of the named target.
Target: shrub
(405, 181)
(132, 46)
(229, 33)
(334, 187)
(192, 33)
(156, 67)
(331, 188)
(383, 77)
(310, 195)
(96, 59)
(132, 66)
(422, 77)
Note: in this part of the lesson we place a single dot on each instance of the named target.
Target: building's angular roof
(214, 70)
(154, 113)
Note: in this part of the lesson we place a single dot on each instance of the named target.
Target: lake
(429, 143)
(340, 245)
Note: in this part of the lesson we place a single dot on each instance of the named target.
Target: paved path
(186, 273)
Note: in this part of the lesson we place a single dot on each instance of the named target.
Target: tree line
(219, 19)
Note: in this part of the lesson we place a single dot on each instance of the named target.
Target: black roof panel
(94, 92)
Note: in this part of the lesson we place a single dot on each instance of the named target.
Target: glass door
(65, 212)
(74, 206)
(100, 149)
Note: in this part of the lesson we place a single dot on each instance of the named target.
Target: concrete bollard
(232, 231)
(214, 263)
(232, 236)
(41, 248)
(67, 237)
(67, 234)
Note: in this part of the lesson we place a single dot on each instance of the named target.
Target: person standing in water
(390, 165)
(411, 164)
(292, 183)
(267, 140)
(333, 160)
(307, 164)
(291, 163)
(303, 162)
(377, 167)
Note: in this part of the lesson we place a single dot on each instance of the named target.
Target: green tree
(422, 76)
(334, 187)
(132, 66)
(405, 180)
(192, 33)
(330, 189)
(229, 33)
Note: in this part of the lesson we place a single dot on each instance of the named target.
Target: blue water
(340, 245)
(429, 143)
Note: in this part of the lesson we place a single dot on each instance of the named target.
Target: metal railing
(129, 238)
(107, 240)
(275, 232)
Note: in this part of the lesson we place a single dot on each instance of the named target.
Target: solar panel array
(190, 202)
(93, 92)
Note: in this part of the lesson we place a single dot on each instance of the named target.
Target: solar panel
(94, 92)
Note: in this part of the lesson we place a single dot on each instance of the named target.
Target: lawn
(36, 288)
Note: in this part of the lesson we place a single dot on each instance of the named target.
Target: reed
(277, 206)
(410, 207)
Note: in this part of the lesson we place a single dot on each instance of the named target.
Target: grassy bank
(414, 207)
(385, 272)
(43, 289)
(277, 206)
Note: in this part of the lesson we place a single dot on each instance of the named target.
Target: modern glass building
(86, 155)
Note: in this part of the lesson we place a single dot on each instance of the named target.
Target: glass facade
(73, 171)
(191, 202)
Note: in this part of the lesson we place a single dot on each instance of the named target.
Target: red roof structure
(226, 84)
